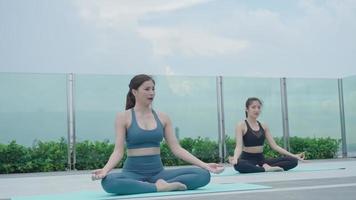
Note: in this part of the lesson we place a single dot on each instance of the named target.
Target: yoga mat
(305, 169)
(230, 171)
(101, 195)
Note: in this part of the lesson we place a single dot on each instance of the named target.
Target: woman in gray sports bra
(143, 129)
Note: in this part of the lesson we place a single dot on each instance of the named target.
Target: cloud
(168, 71)
(169, 41)
(183, 86)
(116, 13)
(188, 86)
(186, 41)
(297, 39)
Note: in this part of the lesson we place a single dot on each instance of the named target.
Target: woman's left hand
(215, 168)
(300, 156)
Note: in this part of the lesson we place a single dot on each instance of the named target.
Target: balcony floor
(317, 179)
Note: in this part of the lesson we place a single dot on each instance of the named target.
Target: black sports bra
(254, 138)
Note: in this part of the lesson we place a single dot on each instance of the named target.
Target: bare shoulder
(163, 117)
(264, 126)
(123, 117)
(241, 125)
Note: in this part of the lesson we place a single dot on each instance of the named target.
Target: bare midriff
(256, 149)
(143, 151)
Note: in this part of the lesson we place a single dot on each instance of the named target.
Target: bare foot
(163, 186)
(269, 168)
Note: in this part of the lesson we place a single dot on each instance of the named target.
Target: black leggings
(252, 162)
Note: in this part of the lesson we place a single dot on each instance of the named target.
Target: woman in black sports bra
(250, 136)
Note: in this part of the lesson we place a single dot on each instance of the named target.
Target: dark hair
(249, 102)
(135, 83)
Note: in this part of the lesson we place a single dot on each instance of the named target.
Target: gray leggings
(140, 173)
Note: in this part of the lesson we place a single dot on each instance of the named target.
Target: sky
(252, 38)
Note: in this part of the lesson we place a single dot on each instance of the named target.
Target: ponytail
(130, 100)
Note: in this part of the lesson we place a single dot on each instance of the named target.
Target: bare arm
(276, 147)
(238, 148)
(118, 152)
(180, 152)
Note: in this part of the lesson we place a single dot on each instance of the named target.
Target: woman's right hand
(98, 174)
(232, 160)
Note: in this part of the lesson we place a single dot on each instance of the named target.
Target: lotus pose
(250, 136)
(143, 128)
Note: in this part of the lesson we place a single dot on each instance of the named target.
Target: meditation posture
(250, 137)
(143, 128)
